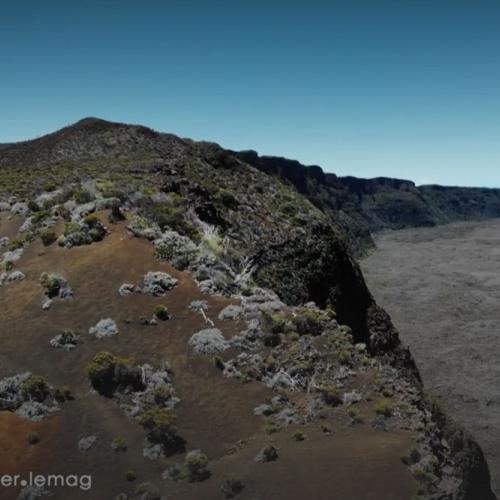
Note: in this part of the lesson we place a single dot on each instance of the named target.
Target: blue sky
(401, 88)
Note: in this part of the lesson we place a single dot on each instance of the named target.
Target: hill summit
(177, 318)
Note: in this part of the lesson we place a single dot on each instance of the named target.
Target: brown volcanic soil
(215, 413)
(442, 288)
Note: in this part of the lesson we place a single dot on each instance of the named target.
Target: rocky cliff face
(362, 206)
(270, 261)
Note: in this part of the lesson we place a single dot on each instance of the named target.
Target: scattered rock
(35, 411)
(46, 304)
(127, 289)
(15, 276)
(209, 341)
(104, 328)
(32, 493)
(153, 452)
(198, 305)
(350, 398)
(263, 410)
(66, 340)
(4, 241)
(13, 255)
(10, 391)
(86, 443)
(19, 208)
(267, 454)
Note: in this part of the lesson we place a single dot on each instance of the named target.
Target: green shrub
(383, 407)
(273, 323)
(39, 216)
(160, 427)
(231, 487)
(51, 283)
(330, 395)
(82, 195)
(48, 237)
(309, 322)
(299, 435)
(162, 395)
(119, 444)
(67, 392)
(16, 244)
(161, 312)
(108, 373)
(344, 357)
(171, 214)
(227, 199)
(197, 466)
(91, 220)
(130, 475)
(35, 388)
(33, 206)
(50, 186)
(33, 438)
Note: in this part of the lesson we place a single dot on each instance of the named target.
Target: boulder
(86, 443)
(267, 454)
(127, 289)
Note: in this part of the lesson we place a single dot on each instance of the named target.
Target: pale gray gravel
(442, 288)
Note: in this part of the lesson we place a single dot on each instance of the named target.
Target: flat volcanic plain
(441, 286)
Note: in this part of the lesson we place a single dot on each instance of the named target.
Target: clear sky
(402, 88)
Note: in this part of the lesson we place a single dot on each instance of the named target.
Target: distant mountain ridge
(363, 206)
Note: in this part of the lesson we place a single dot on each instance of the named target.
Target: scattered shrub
(116, 213)
(161, 312)
(344, 357)
(91, 220)
(231, 487)
(160, 427)
(219, 363)
(197, 466)
(162, 395)
(330, 395)
(227, 199)
(33, 438)
(51, 283)
(299, 435)
(48, 237)
(39, 216)
(309, 322)
(15, 244)
(50, 186)
(82, 195)
(383, 407)
(35, 388)
(33, 206)
(130, 475)
(273, 323)
(108, 373)
(119, 444)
